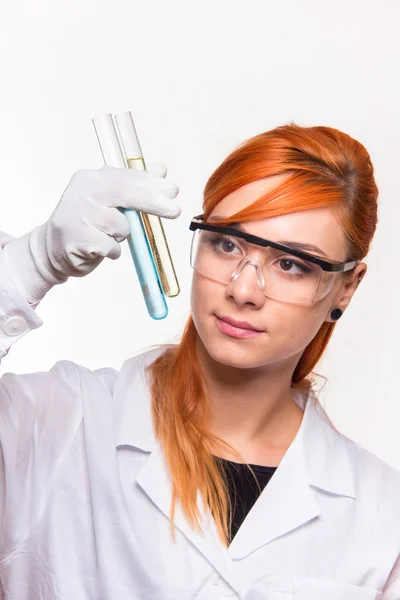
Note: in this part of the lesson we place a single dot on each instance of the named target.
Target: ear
(348, 286)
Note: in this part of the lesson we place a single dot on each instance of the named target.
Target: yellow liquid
(158, 243)
(136, 163)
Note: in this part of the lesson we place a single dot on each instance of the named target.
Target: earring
(336, 314)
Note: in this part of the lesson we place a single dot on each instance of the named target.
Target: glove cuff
(30, 269)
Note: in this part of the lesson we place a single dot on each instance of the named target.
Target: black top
(244, 489)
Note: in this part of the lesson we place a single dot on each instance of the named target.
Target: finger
(111, 221)
(114, 250)
(158, 169)
(133, 177)
(105, 246)
(134, 197)
(147, 201)
(167, 188)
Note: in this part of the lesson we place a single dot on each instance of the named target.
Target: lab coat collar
(317, 459)
(326, 454)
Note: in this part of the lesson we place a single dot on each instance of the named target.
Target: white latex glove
(5, 238)
(86, 226)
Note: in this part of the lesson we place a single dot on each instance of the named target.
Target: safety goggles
(283, 273)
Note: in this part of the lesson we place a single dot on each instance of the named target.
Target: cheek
(207, 297)
(304, 325)
(291, 327)
(203, 291)
(297, 326)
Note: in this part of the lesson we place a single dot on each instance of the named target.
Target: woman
(207, 469)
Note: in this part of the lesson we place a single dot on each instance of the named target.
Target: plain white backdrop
(201, 77)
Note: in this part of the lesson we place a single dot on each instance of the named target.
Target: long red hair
(322, 167)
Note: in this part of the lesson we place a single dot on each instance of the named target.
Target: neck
(252, 410)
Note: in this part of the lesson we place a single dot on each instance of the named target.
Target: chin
(238, 354)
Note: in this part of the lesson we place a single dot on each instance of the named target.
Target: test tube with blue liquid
(138, 241)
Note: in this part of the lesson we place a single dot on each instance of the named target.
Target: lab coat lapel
(316, 459)
(285, 504)
(134, 428)
(154, 479)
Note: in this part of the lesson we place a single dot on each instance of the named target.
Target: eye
(286, 264)
(293, 267)
(225, 245)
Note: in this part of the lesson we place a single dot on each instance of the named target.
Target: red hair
(322, 167)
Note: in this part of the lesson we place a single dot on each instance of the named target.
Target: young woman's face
(285, 329)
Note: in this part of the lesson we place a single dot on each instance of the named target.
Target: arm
(85, 227)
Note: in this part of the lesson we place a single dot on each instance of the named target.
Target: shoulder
(135, 367)
(373, 478)
(377, 499)
(344, 466)
(48, 401)
(65, 379)
(145, 358)
(369, 485)
(65, 384)
(62, 381)
(376, 478)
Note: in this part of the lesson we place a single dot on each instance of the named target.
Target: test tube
(138, 243)
(155, 231)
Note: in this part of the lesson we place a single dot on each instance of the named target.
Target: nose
(246, 285)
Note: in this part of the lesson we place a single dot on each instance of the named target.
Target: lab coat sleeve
(17, 317)
(392, 588)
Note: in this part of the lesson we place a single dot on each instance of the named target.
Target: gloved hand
(86, 226)
(5, 238)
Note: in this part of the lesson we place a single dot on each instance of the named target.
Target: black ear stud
(336, 314)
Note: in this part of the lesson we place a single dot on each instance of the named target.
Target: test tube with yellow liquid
(153, 225)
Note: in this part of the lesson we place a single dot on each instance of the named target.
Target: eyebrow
(295, 245)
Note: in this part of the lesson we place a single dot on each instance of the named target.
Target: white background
(200, 77)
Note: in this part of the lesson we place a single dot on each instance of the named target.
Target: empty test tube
(154, 227)
(138, 242)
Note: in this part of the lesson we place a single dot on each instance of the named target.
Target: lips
(239, 324)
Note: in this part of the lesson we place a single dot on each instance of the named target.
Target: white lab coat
(86, 498)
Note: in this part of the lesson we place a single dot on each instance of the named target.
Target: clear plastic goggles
(283, 273)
